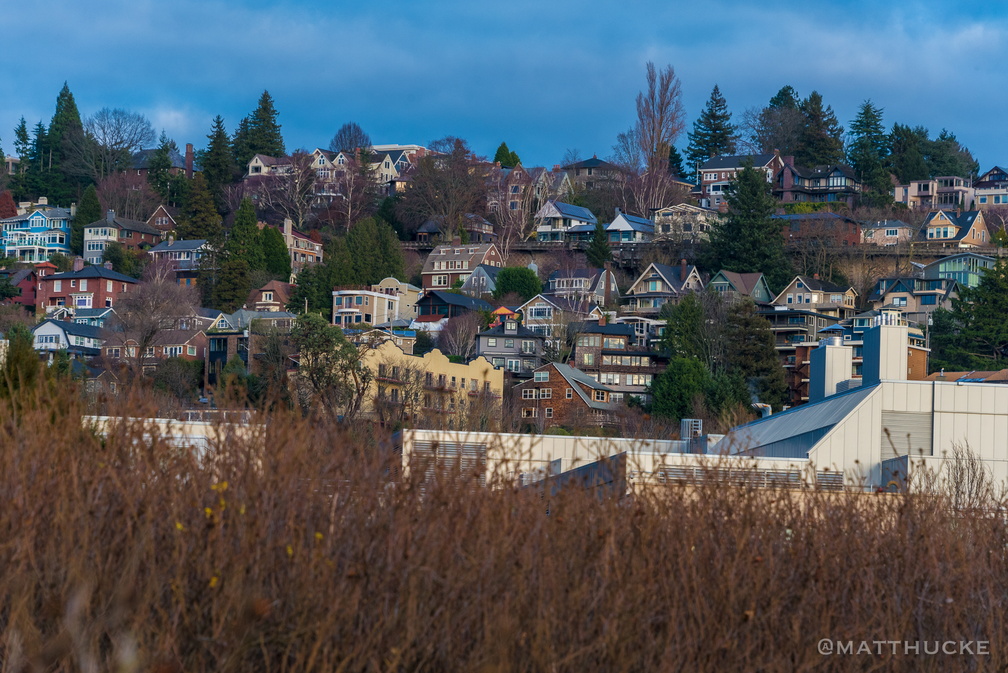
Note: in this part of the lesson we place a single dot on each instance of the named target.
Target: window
(528, 394)
(440, 281)
(508, 343)
(542, 376)
(892, 233)
(57, 286)
(191, 350)
(588, 359)
(600, 395)
(492, 342)
(614, 343)
(529, 412)
(569, 394)
(549, 412)
(267, 296)
(528, 346)
(545, 393)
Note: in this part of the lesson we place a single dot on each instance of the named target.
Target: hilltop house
(967, 230)
(38, 234)
(555, 220)
(448, 264)
(660, 284)
(128, 233)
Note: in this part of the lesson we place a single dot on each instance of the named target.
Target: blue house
(37, 235)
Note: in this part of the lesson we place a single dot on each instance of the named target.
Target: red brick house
(450, 263)
(560, 395)
(27, 280)
(87, 287)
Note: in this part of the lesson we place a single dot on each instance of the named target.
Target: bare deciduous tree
(354, 193)
(111, 137)
(661, 117)
(458, 336)
(350, 137)
(292, 193)
(129, 195)
(446, 184)
(511, 196)
(147, 311)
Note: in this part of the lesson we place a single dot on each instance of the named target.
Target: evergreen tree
(675, 164)
(233, 285)
(713, 133)
(159, 168)
(21, 365)
(598, 251)
(241, 144)
(945, 156)
(259, 133)
(517, 279)
(750, 239)
(906, 155)
(218, 162)
(244, 240)
(88, 211)
(780, 124)
(276, 257)
(868, 154)
(505, 157)
(65, 129)
(753, 355)
(200, 219)
(974, 334)
(821, 140)
(676, 390)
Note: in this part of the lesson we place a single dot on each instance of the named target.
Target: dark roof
(574, 273)
(143, 158)
(824, 171)
(522, 331)
(819, 285)
(736, 161)
(574, 375)
(128, 225)
(452, 299)
(744, 283)
(574, 212)
(672, 273)
(614, 329)
(490, 270)
(594, 162)
(92, 272)
(193, 244)
(75, 329)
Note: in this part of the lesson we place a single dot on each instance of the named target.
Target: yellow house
(431, 391)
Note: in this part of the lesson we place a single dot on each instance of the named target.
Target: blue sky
(544, 76)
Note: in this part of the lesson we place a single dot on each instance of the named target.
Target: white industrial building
(882, 428)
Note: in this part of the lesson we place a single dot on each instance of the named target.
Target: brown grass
(305, 552)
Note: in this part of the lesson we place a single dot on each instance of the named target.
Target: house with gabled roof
(593, 172)
(914, 298)
(440, 304)
(80, 341)
(734, 286)
(163, 219)
(966, 230)
(482, 281)
(38, 234)
(511, 345)
(834, 183)
(447, 264)
(717, 173)
(273, 296)
(659, 285)
(555, 219)
(551, 315)
(965, 268)
(584, 283)
(817, 295)
(991, 188)
(611, 354)
(626, 228)
(130, 234)
(561, 395)
(85, 287)
(178, 164)
(550, 184)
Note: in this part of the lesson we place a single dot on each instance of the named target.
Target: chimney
(457, 240)
(73, 209)
(602, 320)
(682, 270)
(110, 216)
(108, 265)
(829, 365)
(78, 263)
(815, 276)
(189, 160)
(556, 168)
(171, 239)
(789, 161)
(287, 227)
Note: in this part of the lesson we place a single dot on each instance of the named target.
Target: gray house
(483, 280)
(513, 346)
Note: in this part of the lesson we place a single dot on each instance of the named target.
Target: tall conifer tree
(713, 133)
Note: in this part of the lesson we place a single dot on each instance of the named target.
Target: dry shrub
(303, 547)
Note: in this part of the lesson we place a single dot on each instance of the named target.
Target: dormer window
(510, 325)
